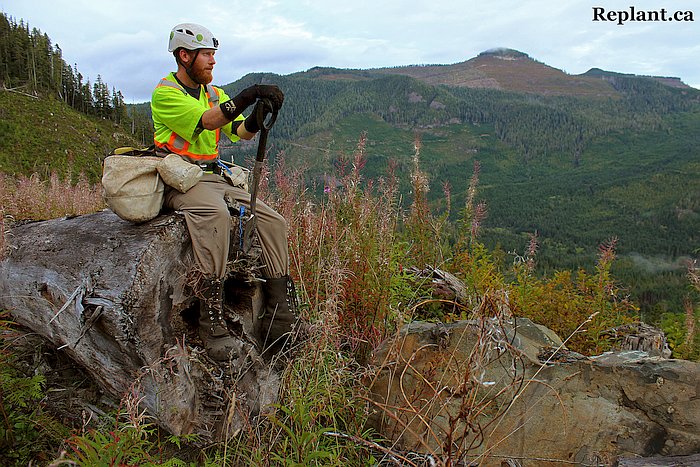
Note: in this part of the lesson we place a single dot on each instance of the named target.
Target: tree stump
(114, 297)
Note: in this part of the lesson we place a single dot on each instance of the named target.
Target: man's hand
(271, 92)
(234, 107)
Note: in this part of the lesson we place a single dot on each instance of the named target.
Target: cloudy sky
(125, 41)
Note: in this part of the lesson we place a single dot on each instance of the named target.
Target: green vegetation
(566, 209)
(50, 119)
(44, 135)
(27, 429)
(575, 170)
(356, 289)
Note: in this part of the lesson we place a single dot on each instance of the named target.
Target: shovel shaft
(263, 109)
(266, 114)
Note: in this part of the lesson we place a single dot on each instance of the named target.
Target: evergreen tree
(30, 62)
(101, 98)
(118, 107)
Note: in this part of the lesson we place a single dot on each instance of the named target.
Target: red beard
(201, 75)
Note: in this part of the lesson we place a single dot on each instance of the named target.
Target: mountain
(502, 69)
(509, 70)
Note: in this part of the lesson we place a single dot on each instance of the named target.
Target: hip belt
(211, 167)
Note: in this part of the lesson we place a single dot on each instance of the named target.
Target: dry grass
(31, 198)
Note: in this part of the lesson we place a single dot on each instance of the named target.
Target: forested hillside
(51, 116)
(576, 170)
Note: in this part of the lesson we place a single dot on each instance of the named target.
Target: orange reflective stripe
(214, 100)
(178, 141)
(185, 153)
(213, 95)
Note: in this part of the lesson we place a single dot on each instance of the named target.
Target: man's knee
(278, 223)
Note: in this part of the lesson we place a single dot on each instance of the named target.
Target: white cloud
(125, 41)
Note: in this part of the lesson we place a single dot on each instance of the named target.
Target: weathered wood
(640, 336)
(444, 286)
(113, 296)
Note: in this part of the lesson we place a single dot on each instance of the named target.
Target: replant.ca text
(631, 14)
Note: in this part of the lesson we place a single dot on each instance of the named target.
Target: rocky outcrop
(692, 460)
(490, 392)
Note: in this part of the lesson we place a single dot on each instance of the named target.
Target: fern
(25, 430)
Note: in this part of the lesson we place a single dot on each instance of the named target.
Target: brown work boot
(279, 314)
(213, 331)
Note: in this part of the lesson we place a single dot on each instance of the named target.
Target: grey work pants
(209, 224)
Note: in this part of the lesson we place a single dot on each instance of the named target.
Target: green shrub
(27, 431)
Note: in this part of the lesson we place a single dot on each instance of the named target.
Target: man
(189, 114)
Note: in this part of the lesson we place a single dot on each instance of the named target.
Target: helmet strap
(188, 69)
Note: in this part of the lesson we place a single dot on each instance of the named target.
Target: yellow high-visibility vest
(176, 116)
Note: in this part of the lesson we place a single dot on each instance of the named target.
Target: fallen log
(114, 296)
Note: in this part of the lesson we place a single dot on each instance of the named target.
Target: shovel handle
(265, 114)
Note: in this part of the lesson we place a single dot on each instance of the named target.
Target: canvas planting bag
(178, 173)
(131, 185)
(235, 174)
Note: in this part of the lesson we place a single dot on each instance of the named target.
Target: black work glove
(251, 123)
(232, 108)
(272, 92)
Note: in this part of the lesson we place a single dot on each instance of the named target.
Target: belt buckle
(211, 168)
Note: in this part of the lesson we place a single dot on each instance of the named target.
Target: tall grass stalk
(691, 344)
(3, 233)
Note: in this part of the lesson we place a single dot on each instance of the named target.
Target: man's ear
(184, 56)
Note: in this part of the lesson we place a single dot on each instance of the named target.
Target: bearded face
(203, 66)
(202, 71)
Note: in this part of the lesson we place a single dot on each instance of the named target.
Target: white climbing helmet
(191, 36)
